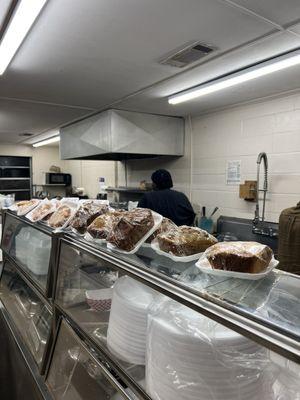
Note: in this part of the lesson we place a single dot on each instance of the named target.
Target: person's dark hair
(162, 179)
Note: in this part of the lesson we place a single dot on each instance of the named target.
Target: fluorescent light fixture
(47, 141)
(22, 20)
(245, 75)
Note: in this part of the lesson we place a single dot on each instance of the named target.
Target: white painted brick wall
(240, 133)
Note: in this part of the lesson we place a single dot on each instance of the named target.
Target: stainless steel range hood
(120, 135)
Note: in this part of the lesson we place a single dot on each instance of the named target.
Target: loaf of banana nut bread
(250, 257)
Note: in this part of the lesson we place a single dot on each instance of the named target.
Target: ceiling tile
(155, 99)
(282, 12)
(91, 53)
(4, 7)
(19, 117)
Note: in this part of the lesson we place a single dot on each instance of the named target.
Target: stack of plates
(190, 357)
(286, 387)
(127, 328)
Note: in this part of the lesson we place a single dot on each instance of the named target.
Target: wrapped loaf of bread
(102, 225)
(250, 257)
(165, 226)
(131, 228)
(41, 211)
(60, 217)
(185, 241)
(86, 214)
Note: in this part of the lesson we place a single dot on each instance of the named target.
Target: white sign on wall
(233, 172)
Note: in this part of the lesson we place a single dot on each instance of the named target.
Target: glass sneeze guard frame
(34, 370)
(47, 289)
(251, 327)
(13, 326)
(61, 322)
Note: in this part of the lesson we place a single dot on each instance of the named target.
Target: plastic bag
(61, 218)
(23, 207)
(244, 257)
(45, 208)
(165, 226)
(100, 228)
(190, 356)
(86, 213)
(132, 229)
(185, 241)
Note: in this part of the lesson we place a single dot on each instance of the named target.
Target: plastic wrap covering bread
(86, 214)
(247, 293)
(131, 228)
(40, 212)
(165, 226)
(185, 241)
(61, 218)
(102, 225)
(127, 328)
(23, 207)
(249, 257)
(190, 357)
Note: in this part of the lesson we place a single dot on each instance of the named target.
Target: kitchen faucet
(262, 230)
(261, 156)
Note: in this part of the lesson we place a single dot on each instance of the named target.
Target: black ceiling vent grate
(26, 134)
(188, 55)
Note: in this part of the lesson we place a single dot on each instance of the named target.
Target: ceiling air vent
(26, 134)
(188, 55)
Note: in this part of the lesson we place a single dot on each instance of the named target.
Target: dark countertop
(126, 189)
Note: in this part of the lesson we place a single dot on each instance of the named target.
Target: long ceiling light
(22, 20)
(51, 140)
(234, 79)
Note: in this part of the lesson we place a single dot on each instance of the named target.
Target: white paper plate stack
(127, 328)
(287, 385)
(190, 357)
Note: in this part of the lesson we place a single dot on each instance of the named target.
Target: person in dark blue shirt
(167, 202)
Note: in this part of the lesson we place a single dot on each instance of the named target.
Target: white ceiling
(84, 55)
(4, 7)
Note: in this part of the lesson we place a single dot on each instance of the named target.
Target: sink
(241, 228)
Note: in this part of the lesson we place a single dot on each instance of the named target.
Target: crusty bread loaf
(130, 228)
(103, 224)
(86, 214)
(60, 217)
(165, 226)
(250, 257)
(185, 241)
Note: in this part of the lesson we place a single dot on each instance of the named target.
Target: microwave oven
(58, 179)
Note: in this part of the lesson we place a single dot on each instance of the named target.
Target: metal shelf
(50, 184)
(12, 166)
(14, 179)
(127, 190)
(14, 190)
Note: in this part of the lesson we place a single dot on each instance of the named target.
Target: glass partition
(274, 299)
(168, 349)
(74, 373)
(29, 247)
(29, 313)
